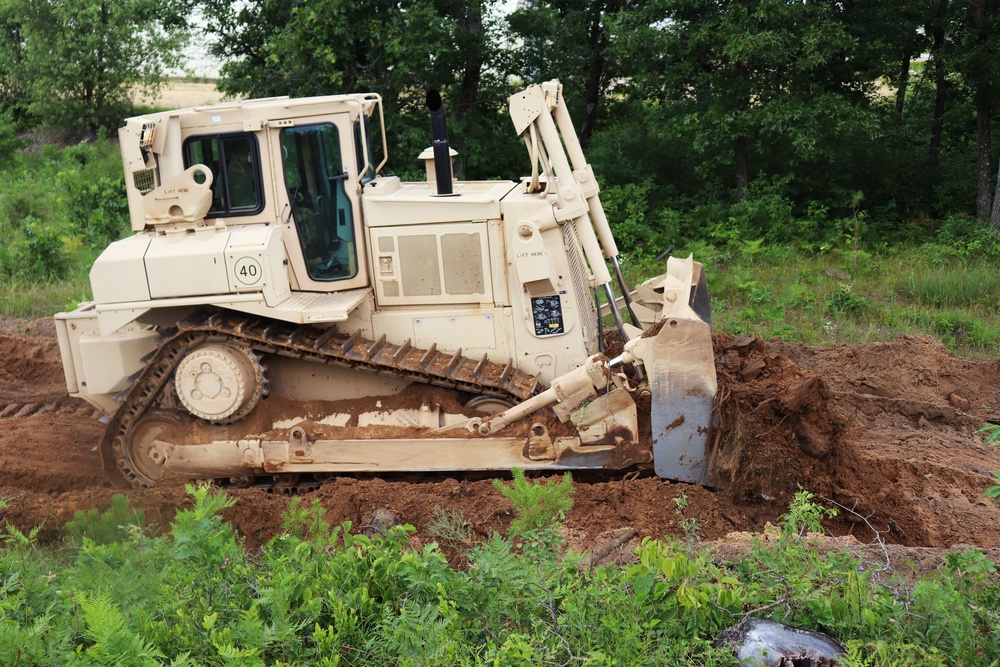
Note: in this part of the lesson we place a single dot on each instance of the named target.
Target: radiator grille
(143, 180)
(584, 301)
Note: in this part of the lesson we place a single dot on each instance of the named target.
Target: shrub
(844, 301)
(106, 527)
(536, 505)
(38, 250)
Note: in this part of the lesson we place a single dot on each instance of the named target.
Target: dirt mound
(886, 430)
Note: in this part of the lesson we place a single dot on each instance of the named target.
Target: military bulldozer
(285, 311)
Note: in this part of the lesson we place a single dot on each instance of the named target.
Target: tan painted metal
(237, 458)
(219, 381)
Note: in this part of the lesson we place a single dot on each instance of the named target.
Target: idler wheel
(219, 381)
(145, 451)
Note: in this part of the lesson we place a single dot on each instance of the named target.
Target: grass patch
(954, 287)
(30, 300)
(848, 297)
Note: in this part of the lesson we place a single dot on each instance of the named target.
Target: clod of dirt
(608, 543)
(769, 410)
(379, 523)
(805, 403)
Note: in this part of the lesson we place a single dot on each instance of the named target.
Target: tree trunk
(995, 216)
(742, 168)
(982, 96)
(985, 137)
(940, 91)
(472, 74)
(904, 80)
(595, 75)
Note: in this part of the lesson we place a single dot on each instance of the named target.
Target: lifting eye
(525, 232)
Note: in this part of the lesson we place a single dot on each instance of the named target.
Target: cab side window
(235, 164)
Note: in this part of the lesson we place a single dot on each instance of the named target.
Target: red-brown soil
(887, 430)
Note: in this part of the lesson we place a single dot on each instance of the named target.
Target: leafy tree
(397, 49)
(752, 76)
(77, 64)
(13, 96)
(571, 40)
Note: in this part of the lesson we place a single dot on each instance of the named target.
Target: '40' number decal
(248, 271)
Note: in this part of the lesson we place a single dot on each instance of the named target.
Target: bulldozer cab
(298, 164)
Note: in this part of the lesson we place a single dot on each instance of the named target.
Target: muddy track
(885, 429)
(301, 342)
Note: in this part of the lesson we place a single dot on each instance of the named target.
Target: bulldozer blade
(681, 369)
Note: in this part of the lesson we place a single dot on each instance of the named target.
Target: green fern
(105, 527)
(536, 505)
(14, 536)
(112, 643)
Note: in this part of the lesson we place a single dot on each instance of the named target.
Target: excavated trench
(885, 430)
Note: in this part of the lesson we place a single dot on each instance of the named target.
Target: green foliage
(74, 65)
(885, 654)
(58, 210)
(804, 515)
(39, 250)
(536, 505)
(9, 141)
(320, 595)
(690, 525)
(107, 638)
(111, 525)
(305, 522)
(960, 236)
(845, 302)
(628, 205)
(199, 533)
(451, 529)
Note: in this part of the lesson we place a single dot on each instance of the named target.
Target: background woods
(757, 119)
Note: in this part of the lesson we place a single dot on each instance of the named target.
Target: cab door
(317, 194)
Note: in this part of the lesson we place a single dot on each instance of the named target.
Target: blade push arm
(539, 112)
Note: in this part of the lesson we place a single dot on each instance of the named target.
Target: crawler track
(329, 346)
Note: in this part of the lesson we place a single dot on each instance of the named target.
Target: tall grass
(954, 286)
(30, 300)
(856, 297)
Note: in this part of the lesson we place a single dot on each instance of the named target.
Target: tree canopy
(76, 65)
(757, 119)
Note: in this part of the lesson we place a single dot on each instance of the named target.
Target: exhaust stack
(439, 133)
